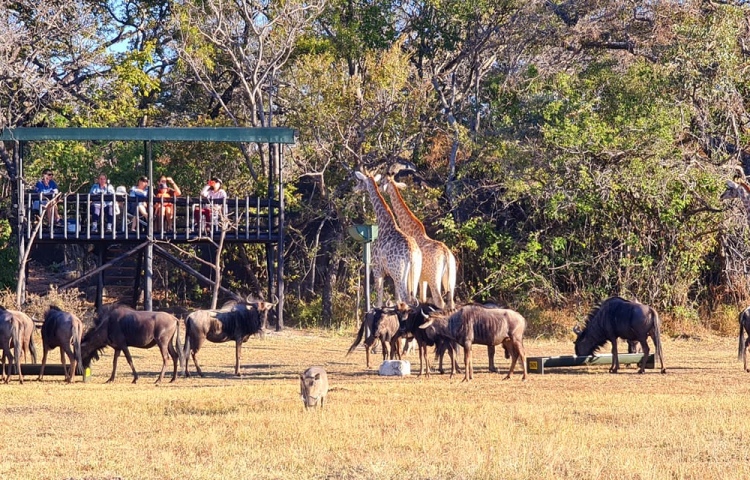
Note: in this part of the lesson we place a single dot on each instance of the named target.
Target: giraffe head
(362, 180)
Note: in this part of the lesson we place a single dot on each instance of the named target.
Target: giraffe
(741, 191)
(438, 262)
(393, 253)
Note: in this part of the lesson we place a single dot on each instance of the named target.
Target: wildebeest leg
(468, 367)
(44, 362)
(195, 362)
(386, 350)
(165, 354)
(516, 350)
(175, 359)
(237, 356)
(747, 344)
(69, 373)
(491, 356)
(126, 351)
(645, 349)
(114, 365)
(615, 358)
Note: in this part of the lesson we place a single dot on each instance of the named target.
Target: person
(164, 209)
(214, 193)
(138, 202)
(47, 186)
(102, 186)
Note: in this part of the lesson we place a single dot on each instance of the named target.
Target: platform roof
(156, 134)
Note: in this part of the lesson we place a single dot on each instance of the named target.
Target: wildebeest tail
(358, 339)
(741, 349)
(15, 335)
(657, 340)
(178, 347)
(77, 334)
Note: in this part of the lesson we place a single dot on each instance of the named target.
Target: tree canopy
(565, 150)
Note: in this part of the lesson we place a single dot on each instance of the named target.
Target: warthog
(121, 327)
(484, 325)
(313, 386)
(382, 323)
(62, 329)
(744, 344)
(235, 321)
(410, 319)
(617, 318)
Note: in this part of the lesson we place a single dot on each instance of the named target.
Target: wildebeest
(62, 329)
(410, 319)
(18, 329)
(313, 386)
(382, 324)
(744, 344)
(10, 334)
(121, 327)
(617, 318)
(484, 325)
(235, 321)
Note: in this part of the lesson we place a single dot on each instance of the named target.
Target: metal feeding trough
(29, 369)
(540, 364)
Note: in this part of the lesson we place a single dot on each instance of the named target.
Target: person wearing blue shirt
(101, 187)
(138, 202)
(47, 186)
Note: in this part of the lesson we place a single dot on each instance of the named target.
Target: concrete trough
(30, 369)
(541, 364)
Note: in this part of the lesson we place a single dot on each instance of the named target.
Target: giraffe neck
(383, 213)
(408, 222)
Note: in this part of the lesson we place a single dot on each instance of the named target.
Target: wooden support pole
(176, 261)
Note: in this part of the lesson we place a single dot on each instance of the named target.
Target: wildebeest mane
(594, 326)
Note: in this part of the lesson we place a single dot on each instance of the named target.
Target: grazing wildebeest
(313, 386)
(485, 326)
(26, 332)
(64, 330)
(121, 327)
(617, 318)
(744, 344)
(410, 319)
(10, 334)
(382, 324)
(235, 321)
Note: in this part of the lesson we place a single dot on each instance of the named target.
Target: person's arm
(39, 187)
(175, 189)
(53, 187)
(204, 191)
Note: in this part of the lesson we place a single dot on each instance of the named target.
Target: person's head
(47, 175)
(143, 182)
(215, 183)
(102, 180)
(163, 182)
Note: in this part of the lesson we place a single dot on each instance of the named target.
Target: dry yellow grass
(580, 423)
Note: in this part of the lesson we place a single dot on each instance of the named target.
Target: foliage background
(566, 151)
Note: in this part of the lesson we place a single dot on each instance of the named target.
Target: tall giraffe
(393, 253)
(741, 191)
(438, 262)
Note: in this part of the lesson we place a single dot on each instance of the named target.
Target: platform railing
(249, 219)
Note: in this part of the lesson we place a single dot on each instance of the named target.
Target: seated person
(47, 186)
(102, 186)
(214, 193)
(164, 210)
(138, 202)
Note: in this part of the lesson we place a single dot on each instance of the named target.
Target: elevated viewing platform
(247, 220)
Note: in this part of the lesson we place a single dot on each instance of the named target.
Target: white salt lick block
(395, 368)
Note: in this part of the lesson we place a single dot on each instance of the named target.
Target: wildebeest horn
(577, 330)
(429, 322)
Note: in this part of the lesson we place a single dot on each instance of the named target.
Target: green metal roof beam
(157, 134)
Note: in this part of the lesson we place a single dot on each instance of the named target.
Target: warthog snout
(313, 386)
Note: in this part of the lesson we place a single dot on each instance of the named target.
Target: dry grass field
(580, 423)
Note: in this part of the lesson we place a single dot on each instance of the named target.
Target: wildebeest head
(411, 318)
(592, 336)
(94, 341)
